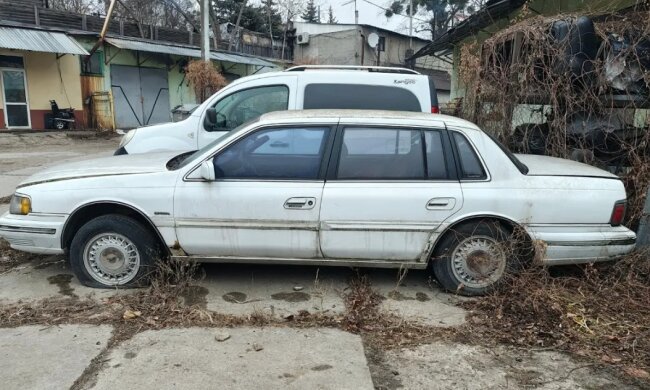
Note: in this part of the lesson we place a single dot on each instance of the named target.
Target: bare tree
(289, 9)
(76, 6)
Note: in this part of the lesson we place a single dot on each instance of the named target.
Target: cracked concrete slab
(270, 358)
(47, 277)
(444, 365)
(39, 357)
(415, 296)
(273, 290)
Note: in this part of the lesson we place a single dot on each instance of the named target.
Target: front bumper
(35, 233)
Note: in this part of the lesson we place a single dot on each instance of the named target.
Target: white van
(301, 87)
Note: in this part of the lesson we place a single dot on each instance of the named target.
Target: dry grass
(10, 258)
(600, 312)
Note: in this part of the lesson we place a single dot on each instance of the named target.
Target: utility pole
(205, 30)
(411, 24)
(356, 13)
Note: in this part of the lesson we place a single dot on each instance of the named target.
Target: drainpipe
(104, 29)
(363, 44)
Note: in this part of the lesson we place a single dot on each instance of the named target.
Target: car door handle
(441, 204)
(300, 203)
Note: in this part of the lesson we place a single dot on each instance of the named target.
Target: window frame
(82, 59)
(450, 164)
(458, 163)
(323, 163)
(220, 99)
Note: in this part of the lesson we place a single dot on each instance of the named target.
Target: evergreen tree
(311, 13)
(330, 16)
(441, 13)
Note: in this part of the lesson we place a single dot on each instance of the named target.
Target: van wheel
(113, 251)
(472, 259)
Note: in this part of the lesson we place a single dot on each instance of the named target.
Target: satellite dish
(373, 40)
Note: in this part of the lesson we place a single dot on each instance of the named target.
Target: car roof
(373, 115)
(326, 72)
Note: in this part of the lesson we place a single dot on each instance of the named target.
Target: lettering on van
(405, 81)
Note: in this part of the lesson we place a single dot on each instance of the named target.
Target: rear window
(360, 97)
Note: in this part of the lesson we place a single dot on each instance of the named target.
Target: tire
(459, 260)
(60, 125)
(119, 240)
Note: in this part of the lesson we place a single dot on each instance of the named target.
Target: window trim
(458, 163)
(332, 169)
(323, 164)
(204, 114)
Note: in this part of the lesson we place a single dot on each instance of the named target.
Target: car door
(248, 101)
(266, 198)
(387, 190)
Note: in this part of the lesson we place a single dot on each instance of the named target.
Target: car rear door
(388, 189)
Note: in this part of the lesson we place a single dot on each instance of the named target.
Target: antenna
(356, 12)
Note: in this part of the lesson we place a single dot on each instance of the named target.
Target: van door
(247, 102)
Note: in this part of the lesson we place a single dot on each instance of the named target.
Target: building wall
(49, 78)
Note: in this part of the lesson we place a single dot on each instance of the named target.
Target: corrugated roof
(184, 51)
(39, 40)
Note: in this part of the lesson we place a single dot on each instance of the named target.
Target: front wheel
(113, 251)
(472, 259)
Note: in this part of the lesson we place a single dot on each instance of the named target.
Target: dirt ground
(278, 327)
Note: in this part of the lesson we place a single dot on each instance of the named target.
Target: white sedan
(351, 188)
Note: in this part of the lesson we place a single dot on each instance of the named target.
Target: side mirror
(207, 170)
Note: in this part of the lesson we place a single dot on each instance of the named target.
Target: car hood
(552, 166)
(106, 166)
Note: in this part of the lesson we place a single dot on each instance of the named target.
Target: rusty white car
(347, 188)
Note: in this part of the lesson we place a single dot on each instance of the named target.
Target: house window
(93, 66)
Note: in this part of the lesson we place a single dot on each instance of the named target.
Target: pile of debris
(568, 86)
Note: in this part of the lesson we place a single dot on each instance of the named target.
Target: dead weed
(600, 312)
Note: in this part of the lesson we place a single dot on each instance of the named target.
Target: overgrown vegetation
(571, 87)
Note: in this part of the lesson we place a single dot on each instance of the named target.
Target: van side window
(361, 97)
(470, 165)
(242, 106)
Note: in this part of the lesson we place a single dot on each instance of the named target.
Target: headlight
(20, 204)
(127, 138)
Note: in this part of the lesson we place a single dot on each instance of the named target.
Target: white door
(14, 92)
(387, 191)
(247, 102)
(265, 201)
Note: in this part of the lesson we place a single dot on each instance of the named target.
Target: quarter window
(470, 164)
(284, 153)
(242, 106)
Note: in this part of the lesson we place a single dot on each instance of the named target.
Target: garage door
(141, 96)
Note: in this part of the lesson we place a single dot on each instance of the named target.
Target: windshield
(186, 158)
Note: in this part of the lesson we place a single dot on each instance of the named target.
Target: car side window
(360, 97)
(278, 153)
(470, 165)
(381, 153)
(242, 106)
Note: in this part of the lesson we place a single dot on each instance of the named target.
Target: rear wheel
(113, 251)
(472, 259)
